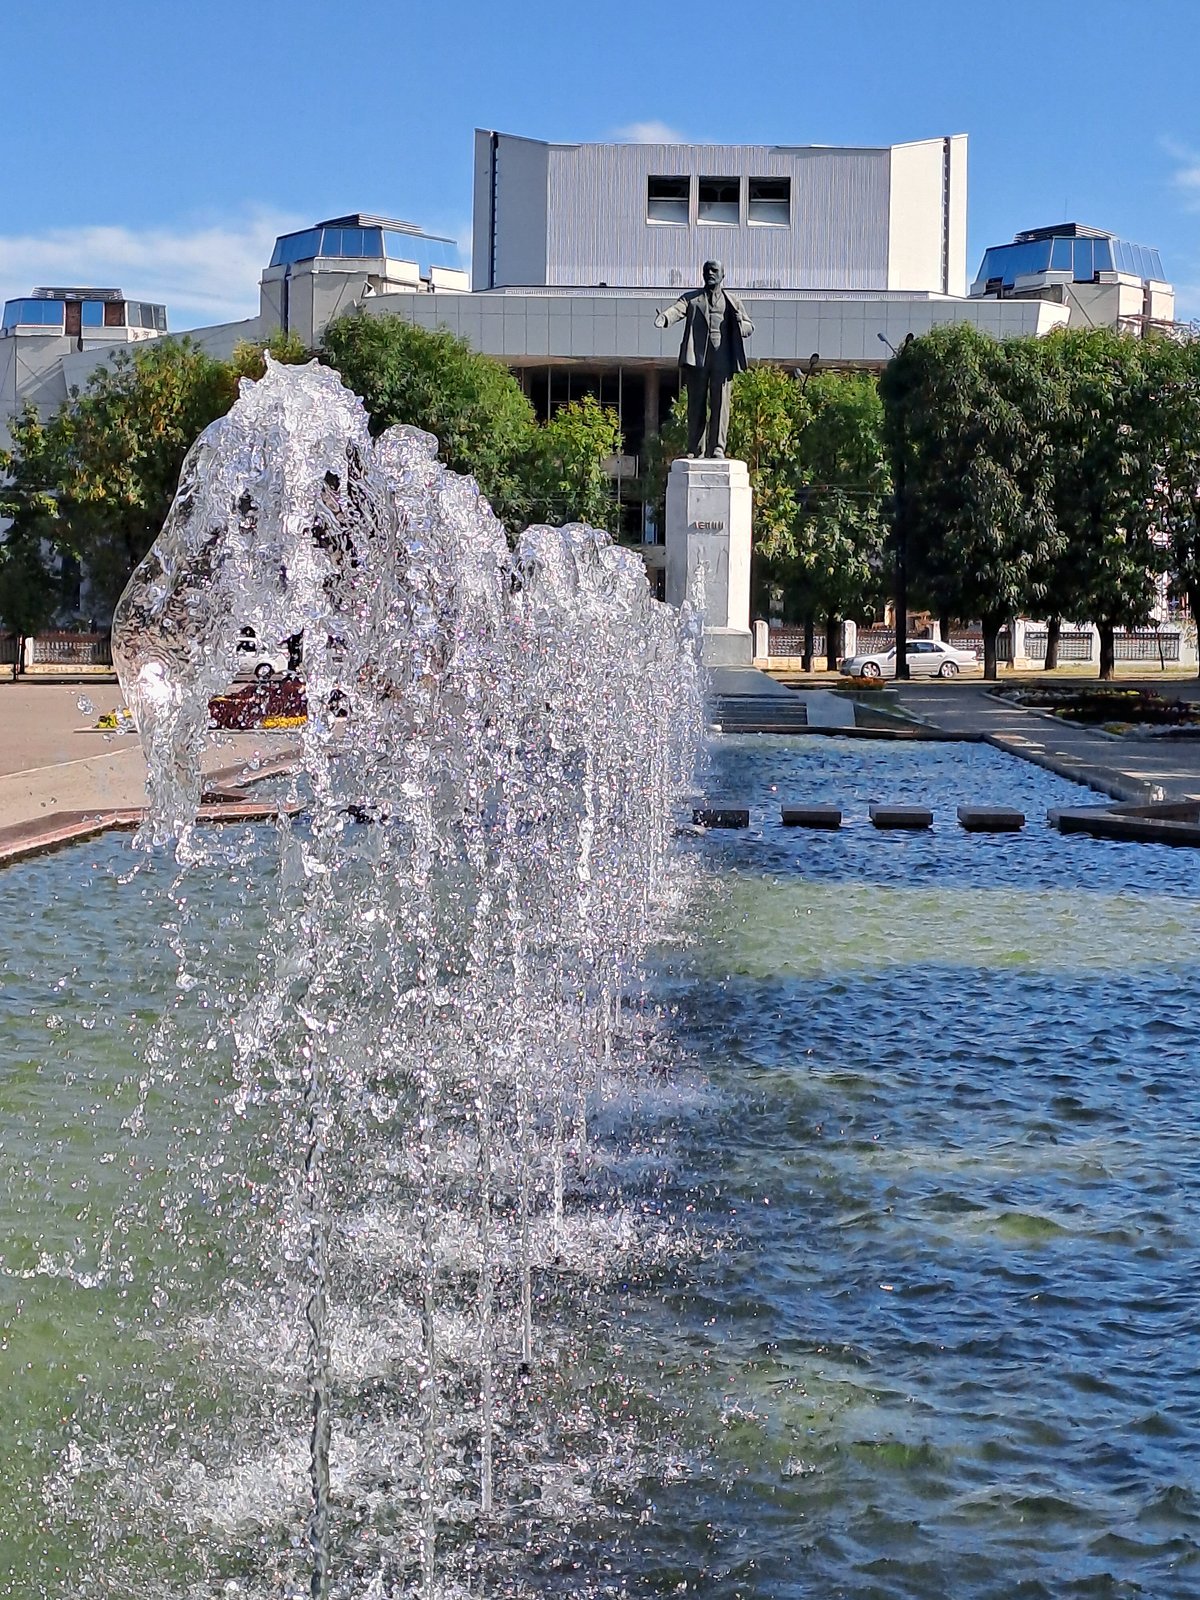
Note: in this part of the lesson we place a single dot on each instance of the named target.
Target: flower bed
(856, 685)
(1113, 710)
(277, 703)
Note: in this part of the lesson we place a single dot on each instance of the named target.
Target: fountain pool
(880, 1278)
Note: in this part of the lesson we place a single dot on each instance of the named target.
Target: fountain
(495, 747)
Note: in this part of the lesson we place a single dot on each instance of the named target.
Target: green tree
(108, 460)
(1174, 375)
(29, 590)
(288, 349)
(967, 422)
(1107, 466)
(767, 412)
(564, 476)
(846, 499)
(474, 407)
(97, 477)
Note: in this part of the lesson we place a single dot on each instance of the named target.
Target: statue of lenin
(712, 351)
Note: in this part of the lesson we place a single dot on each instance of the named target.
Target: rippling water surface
(928, 1328)
(953, 1351)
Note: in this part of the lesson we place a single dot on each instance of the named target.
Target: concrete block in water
(811, 816)
(991, 819)
(911, 817)
(721, 817)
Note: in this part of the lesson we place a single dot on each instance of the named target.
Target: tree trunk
(832, 628)
(1053, 631)
(944, 626)
(806, 659)
(991, 630)
(1108, 649)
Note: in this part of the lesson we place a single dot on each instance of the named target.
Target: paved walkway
(57, 770)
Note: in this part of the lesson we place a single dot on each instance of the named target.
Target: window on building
(114, 313)
(41, 313)
(92, 313)
(720, 200)
(667, 199)
(292, 247)
(770, 200)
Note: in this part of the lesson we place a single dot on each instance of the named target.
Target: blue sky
(160, 146)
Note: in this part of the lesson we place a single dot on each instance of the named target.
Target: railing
(72, 650)
(790, 642)
(1140, 644)
(1144, 644)
(8, 649)
(872, 639)
(1071, 646)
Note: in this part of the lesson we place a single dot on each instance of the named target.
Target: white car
(260, 659)
(927, 658)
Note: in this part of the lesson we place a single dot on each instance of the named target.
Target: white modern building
(835, 253)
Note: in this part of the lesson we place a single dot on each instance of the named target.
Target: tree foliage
(821, 486)
(767, 413)
(472, 405)
(29, 590)
(564, 477)
(967, 422)
(846, 498)
(483, 422)
(97, 477)
(1174, 374)
(1106, 478)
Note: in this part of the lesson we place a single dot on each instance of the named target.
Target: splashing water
(496, 745)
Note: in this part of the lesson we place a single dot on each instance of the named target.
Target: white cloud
(1185, 180)
(650, 133)
(203, 273)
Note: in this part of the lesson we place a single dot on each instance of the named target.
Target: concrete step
(990, 819)
(760, 714)
(910, 817)
(721, 817)
(810, 816)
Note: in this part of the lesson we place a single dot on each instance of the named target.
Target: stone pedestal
(708, 525)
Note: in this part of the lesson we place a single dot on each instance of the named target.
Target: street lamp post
(900, 542)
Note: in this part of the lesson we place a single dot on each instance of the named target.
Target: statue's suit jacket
(694, 349)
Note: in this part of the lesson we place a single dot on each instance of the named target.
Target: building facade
(322, 272)
(777, 216)
(41, 332)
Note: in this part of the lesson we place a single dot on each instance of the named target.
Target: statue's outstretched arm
(674, 313)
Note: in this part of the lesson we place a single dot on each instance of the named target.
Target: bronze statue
(712, 351)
